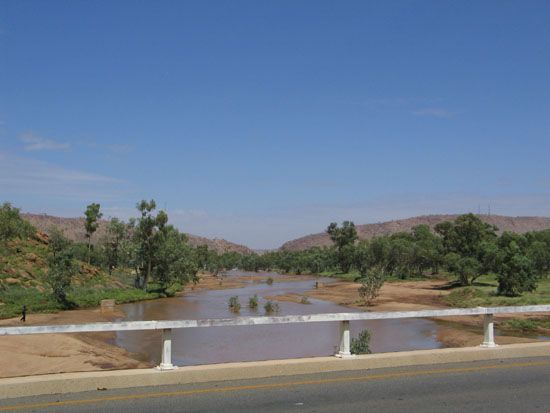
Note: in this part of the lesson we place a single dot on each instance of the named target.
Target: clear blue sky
(259, 121)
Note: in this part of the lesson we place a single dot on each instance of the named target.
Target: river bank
(41, 354)
(418, 295)
(58, 353)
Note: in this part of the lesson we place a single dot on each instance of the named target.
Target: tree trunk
(89, 248)
(147, 275)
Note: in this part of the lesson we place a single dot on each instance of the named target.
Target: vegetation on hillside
(466, 248)
(141, 259)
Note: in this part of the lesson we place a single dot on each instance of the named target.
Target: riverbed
(247, 343)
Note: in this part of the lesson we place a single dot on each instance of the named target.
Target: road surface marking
(273, 385)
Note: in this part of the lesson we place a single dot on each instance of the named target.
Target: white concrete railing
(168, 325)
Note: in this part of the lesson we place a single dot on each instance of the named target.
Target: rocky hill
(367, 231)
(74, 230)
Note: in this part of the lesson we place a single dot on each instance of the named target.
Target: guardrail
(344, 318)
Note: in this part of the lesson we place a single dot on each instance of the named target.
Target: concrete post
(344, 340)
(166, 358)
(488, 331)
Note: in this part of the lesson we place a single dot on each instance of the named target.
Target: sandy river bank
(416, 295)
(53, 353)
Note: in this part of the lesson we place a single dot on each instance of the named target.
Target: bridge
(314, 374)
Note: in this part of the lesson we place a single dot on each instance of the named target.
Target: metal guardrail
(344, 318)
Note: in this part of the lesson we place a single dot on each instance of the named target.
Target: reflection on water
(246, 343)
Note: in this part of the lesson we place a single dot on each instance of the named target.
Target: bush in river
(234, 304)
(271, 307)
(360, 345)
(305, 300)
(253, 302)
(269, 281)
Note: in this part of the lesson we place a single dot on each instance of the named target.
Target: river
(226, 344)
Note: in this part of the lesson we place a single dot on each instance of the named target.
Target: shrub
(269, 281)
(360, 345)
(370, 287)
(253, 302)
(234, 304)
(271, 307)
(304, 300)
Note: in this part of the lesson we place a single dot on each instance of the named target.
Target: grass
(518, 324)
(483, 293)
(346, 276)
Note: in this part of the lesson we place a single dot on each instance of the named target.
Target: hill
(74, 230)
(367, 231)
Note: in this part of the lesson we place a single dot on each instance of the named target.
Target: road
(521, 385)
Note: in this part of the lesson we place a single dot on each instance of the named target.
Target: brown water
(246, 343)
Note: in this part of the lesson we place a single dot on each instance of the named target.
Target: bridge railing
(344, 318)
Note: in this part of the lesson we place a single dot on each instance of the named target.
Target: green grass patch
(85, 298)
(483, 293)
(346, 276)
(517, 324)
(13, 299)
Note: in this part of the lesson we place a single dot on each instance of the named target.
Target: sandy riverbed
(54, 353)
(416, 295)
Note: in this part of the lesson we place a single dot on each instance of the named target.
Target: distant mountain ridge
(367, 231)
(74, 230)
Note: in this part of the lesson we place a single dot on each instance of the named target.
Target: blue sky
(260, 121)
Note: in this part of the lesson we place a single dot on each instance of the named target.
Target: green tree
(469, 238)
(148, 236)
(203, 256)
(57, 241)
(93, 215)
(516, 272)
(117, 233)
(174, 259)
(61, 268)
(12, 225)
(344, 238)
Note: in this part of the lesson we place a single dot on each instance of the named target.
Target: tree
(93, 215)
(516, 272)
(12, 225)
(57, 242)
(428, 249)
(116, 234)
(61, 267)
(148, 235)
(175, 259)
(343, 237)
(469, 238)
(203, 256)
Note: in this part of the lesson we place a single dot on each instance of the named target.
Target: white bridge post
(344, 340)
(166, 358)
(488, 331)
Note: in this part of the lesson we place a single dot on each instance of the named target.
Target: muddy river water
(246, 343)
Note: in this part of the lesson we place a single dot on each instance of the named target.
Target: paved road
(521, 385)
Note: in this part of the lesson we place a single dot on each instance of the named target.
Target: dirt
(58, 353)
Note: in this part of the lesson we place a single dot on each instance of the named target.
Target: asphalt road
(521, 385)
